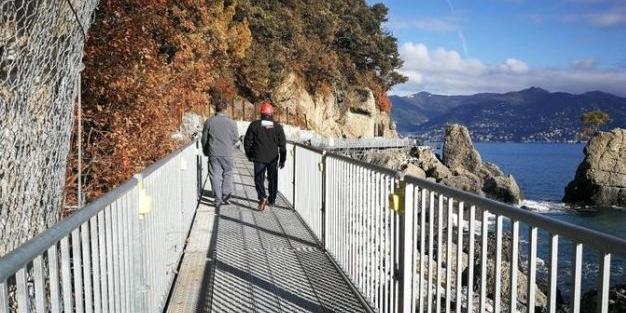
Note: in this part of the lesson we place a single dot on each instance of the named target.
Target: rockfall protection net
(41, 48)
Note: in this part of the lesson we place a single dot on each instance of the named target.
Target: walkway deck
(241, 260)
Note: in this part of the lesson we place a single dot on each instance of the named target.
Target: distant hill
(529, 115)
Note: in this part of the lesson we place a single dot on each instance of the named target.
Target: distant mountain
(529, 115)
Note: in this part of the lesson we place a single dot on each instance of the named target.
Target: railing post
(293, 179)
(324, 200)
(138, 244)
(403, 205)
(199, 178)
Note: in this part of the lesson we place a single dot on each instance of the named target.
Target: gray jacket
(219, 136)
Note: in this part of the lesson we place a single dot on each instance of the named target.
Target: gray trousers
(221, 176)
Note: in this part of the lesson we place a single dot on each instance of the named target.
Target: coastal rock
(503, 188)
(469, 183)
(470, 173)
(386, 158)
(489, 170)
(458, 150)
(541, 299)
(617, 300)
(429, 162)
(601, 177)
(416, 171)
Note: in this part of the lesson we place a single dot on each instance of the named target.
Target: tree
(592, 123)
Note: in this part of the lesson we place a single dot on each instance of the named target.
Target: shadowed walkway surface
(241, 260)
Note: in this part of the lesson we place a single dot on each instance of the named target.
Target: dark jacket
(265, 142)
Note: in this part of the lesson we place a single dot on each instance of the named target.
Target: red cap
(267, 108)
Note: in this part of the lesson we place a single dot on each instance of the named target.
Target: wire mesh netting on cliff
(41, 48)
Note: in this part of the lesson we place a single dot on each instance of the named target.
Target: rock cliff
(350, 113)
(601, 177)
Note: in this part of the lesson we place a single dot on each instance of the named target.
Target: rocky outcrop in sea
(461, 166)
(601, 177)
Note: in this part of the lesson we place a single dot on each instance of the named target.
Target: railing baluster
(431, 223)
(109, 259)
(66, 276)
(408, 270)
(513, 266)
(484, 257)
(577, 260)
(422, 246)
(97, 296)
(449, 254)
(604, 282)
(40, 290)
(470, 265)
(23, 303)
(53, 268)
(4, 297)
(86, 257)
(459, 257)
(439, 248)
(416, 191)
(554, 262)
(498, 263)
(77, 271)
(104, 288)
(379, 243)
(532, 268)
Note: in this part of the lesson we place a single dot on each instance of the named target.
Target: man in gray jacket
(219, 137)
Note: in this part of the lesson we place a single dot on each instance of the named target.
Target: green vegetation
(331, 43)
(592, 123)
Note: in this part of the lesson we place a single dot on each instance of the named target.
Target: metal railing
(411, 245)
(117, 254)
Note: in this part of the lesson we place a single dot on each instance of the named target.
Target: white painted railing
(117, 254)
(396, 238)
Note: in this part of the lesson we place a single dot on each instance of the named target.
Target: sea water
(542, 172)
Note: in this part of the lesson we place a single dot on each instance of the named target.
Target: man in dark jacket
(219, 137)
(265, 146)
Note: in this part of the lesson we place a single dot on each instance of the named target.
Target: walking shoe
(262, 204)
(226, 200)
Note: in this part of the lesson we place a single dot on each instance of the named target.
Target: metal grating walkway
(241, 260)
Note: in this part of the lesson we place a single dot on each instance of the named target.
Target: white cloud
(447, 72)
(514, 66)
(613, 17)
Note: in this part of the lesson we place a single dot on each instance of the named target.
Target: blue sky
(464, 47)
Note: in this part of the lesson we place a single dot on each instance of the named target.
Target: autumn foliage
(147, 62)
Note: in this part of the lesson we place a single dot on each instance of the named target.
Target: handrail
(601, 241)
(28, 251)
(112, 242)
(379, 227)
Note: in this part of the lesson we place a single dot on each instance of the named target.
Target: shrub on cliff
(148, 61)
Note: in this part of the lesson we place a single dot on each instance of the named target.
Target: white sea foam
(544, 206)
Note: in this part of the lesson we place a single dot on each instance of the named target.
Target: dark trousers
(272, 176)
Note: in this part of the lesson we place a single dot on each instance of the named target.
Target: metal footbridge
(345, 236)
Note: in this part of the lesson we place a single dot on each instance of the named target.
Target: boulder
(503, 188)
(489, 170)
(429, 162)
(414, 170)
(617, 300)
(541, 299)
(601, 177)
(466, 183)
(458, 150)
